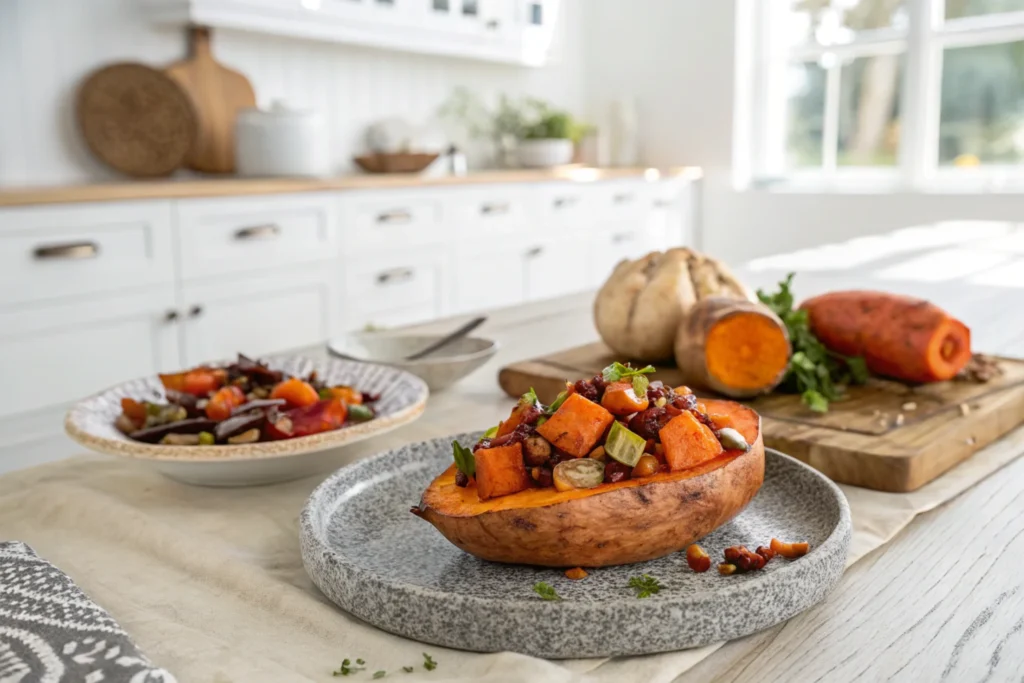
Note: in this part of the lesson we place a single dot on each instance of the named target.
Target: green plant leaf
(546, 591)
(559, 400)
(464, 459)
(815, 401)
(645, 585)
(617, 372)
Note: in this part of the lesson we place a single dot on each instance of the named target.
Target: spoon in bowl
(448, 338)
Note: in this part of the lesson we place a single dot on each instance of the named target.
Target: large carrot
(898, 336)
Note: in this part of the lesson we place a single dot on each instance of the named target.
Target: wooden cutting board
(217, 93)
(885, 436)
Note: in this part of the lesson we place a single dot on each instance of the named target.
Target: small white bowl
(439, 370)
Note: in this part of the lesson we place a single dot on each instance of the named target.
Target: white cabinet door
(401, 287)
(615, 242)
(556, 267)
(58, 353)
(258, 316)
(488, 275)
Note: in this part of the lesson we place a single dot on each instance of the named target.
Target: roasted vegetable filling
(242, 403)
(618, 425)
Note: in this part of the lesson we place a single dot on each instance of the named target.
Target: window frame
(762, 126)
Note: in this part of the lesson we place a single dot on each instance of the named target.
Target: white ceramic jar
(280, 142)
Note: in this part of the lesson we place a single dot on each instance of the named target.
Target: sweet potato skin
(576, 426)
(898, 336)
(631, 521)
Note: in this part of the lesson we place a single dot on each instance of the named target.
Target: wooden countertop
(191, 187)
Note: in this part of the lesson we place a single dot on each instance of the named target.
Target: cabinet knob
(171, 316)
(624, 198)
(195, 311)
(621, 237)
(534, 252)
(395, 276)
(494, 209)
(258, 232)
(562, 202)
(395, 216)
(493, 25)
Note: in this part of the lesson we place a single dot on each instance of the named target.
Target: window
(910, 92)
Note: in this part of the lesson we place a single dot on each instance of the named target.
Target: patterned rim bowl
(403, 396)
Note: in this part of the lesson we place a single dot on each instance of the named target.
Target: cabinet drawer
(378, 290)
(383, 220)
(623, 200)
(258, 315)
(54, 354)
(490, 275)
(568, 202)
(478, 213)
(84, 249)
(218, 237)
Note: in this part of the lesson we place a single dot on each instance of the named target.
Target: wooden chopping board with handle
(217, 93)
(885, 436)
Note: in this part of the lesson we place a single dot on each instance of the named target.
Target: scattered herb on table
(645, 586)
(546, 591)
(616, 372)
(408, 669)
(379, 674)
(360, 662)
(347, 668)
(428, 662)
(814, 372)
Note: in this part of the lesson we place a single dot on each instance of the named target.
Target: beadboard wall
(48, 46)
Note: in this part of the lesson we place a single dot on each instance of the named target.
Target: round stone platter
(375, 559)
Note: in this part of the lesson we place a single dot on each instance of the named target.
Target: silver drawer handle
(562, 202)
(493, 25)
(621, 237)
(623, 198)
(664, 204)
(395, 276)
(534, 252)
(258, 232)
(494, 209)
(396, 216)
(71, 251)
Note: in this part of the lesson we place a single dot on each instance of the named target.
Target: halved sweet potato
(576, 426)
(500, 471)
(630, 521)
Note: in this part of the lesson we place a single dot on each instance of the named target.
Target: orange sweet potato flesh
(513, 421)
(898, 336)
(620, 399)
(688, 442)
(621, 523)
(576, 426)
(500, 471)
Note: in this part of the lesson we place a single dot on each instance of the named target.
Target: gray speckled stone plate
(375, 559)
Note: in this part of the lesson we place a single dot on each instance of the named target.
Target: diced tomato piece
(323, 416)
(224, 402)
(134, 411)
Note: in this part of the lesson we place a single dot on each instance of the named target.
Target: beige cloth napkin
(211, 586)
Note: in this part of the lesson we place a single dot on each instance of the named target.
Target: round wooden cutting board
(136, 119)
(217, 93)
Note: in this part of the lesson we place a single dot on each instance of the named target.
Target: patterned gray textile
(51, 632)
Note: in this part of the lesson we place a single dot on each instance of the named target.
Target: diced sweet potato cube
(722, 420)
(688, 442)
(513, 420)
(500, 471)
(620, 399)
(576, 426)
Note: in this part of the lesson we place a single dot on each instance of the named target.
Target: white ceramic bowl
(544, 153)
(403, 397)
(439, 370)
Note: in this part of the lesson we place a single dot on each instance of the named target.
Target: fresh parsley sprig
(546, 591)
(616, 372)
(645, 585)
(347, 668)
(814, 372)
(428, 662)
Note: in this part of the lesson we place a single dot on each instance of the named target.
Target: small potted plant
(548, 137)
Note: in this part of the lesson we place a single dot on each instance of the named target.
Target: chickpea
(647, 466)
(537, 450)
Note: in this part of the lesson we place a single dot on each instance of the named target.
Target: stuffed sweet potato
(575, 484)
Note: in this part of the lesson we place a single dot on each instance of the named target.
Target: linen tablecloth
(210, 584)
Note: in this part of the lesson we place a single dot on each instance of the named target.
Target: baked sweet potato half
(619, 522)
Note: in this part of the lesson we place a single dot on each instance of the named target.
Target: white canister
(280, 142)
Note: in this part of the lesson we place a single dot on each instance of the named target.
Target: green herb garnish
(546, 591)
(408, 669)
(492, 432)
(360, 662)
(616, 372)
(325, 394)
(464, 459)
(379, 674)
(529, 398)
(347, 668)
(645, 586)
(559, 400)
(428, 662)
(814, 372)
